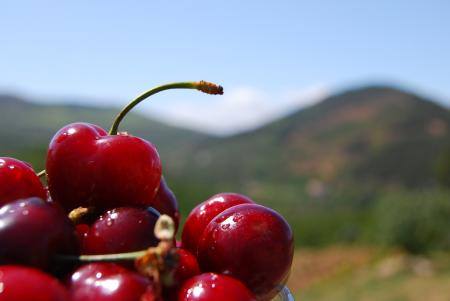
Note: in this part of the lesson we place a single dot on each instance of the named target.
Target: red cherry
(87, 167)
(251, 243)
(32, 231)
(187, 267)
(166, 203)
(121, 230)
(19, 283)
(203, 213)
(108, 282)
(18, 181)
(82, 231)
(208, 287)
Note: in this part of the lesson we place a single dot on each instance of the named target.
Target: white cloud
(239, 109)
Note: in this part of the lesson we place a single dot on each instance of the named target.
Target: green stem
(203, 86)
(103, 257)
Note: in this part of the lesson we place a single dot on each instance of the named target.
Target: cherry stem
(103, 257)
(203, 86)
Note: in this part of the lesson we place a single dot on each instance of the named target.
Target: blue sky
(271, 56)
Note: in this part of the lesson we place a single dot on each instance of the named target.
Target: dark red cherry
(87, 167)
(203, 213)
(251, 243)
(32, 231)
(120, 230)
(82, 230)
(166, 203)
(187, 268)
(108, 282)
(18, 181)
(18, 283)
(208, 287)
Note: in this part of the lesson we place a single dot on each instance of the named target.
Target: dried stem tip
(209, 88)
(165, 228)
(78, 213)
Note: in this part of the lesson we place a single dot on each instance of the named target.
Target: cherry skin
(18, 181)
(124, 229)
(209, 286)
(87, 167)
(108, 282)
(82, 231)
(33, 231)
(20, 283)
(166, 203)
(251, 243)
(187, 268)
(203, 213)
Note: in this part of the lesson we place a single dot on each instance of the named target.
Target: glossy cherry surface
(166, 203)
(209, 286)
(82, 230)
(33, 231)
(251, 243)
(18, 181)
(187, 268)
(87, 167)
(203, 213)
(18, 283)
(124, 229)
(108, 282)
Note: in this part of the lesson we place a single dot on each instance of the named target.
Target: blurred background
(335, 113)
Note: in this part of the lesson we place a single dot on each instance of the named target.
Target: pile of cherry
(90, 234)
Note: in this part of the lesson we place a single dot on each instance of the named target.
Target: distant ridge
(376, 135)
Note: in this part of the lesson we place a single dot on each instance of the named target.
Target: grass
(366, 274)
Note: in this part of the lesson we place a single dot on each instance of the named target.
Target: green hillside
(379, 135)
(324, 167)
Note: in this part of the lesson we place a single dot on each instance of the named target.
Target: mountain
(373, 133)
(376, 135)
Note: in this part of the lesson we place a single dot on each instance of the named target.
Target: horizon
(189, 126)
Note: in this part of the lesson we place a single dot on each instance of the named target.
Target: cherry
(120, 230)
(251, 243)
(187, 267)
(207, 287)
(82, 231)
(109, 282)
(32, 231)
(91, 168)
(87, 167)
(18, 283)
(203, 213)
(18, 181)
(166, 203)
